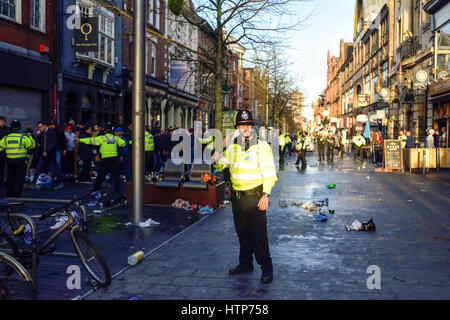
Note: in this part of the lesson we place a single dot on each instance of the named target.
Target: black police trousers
(301, 157)
(321, 151)
(15, 176)
(108, 165)
(251, 228)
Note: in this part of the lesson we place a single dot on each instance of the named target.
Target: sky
(328, 22)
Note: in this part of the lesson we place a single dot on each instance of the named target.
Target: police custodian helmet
(244, 117)
(15, 125)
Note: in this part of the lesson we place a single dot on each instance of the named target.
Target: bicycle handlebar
(54, 210)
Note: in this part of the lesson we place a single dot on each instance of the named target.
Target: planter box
(213, 195)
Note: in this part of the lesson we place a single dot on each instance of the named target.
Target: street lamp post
(138, 103)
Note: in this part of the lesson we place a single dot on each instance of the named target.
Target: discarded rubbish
(135, 258)
(331, 211)
(331, 186)
(309, 206)
(205, 210)
(147, 223)
(367, 177)
(282, 203)
(358, 226)
(76, 298)
(321, 216)
(408, 200)
(133, 298)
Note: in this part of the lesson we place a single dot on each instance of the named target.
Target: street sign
(393, 155)
(86, 38)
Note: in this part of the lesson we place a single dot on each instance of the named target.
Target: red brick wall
(22, 35)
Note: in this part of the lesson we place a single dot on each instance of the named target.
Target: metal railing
(409, 48)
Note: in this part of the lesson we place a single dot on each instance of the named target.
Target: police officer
(149, 151)
(302, 143)
(253, 176)
(331, 144)
(321, 146)
(359, 142)
(16, 146)
(403, 138)
(281, 144)
(109, 162)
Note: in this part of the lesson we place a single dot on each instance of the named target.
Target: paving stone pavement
(313, 260)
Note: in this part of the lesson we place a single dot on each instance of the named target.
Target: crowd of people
(58, 156)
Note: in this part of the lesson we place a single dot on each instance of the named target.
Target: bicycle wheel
(91, 258)
(15, 280)
(8, 245)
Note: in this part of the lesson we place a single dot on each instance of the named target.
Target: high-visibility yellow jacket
(359, 141)
(249, 169)
(16, 145)
(281, 140)
(403, 138)
(149, 142)
(108, 144)
(208, 141)
(302, 143)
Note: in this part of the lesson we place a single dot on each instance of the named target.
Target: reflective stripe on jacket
(16, 145)
(108, 144)
(359, 141)
(149, 142)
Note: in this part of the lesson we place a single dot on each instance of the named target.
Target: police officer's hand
(77, 140)
(215, 157)
(263, 203)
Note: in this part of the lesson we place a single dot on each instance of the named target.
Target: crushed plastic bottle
(135, 258)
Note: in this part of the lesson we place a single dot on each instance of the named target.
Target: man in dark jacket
(47, 156)
(4, 131)
(86, 154)
(61, 145)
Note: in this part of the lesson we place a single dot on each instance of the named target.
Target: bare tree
(241, 21)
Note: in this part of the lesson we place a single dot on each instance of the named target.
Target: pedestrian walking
(359, 142)
(253, 175)
(302, 144)
(16, 146)
(109, 162)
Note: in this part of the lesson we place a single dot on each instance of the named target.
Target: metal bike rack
(30, 221)
(34, 254)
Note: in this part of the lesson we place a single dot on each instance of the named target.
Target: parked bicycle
(15, 280)
(18, 241)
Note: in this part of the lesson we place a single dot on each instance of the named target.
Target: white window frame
(153, 58)
(42, 16)
(18, 13)
(157, 14)
(150, 12)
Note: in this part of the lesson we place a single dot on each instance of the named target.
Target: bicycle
(15, 279)
(88, 254)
